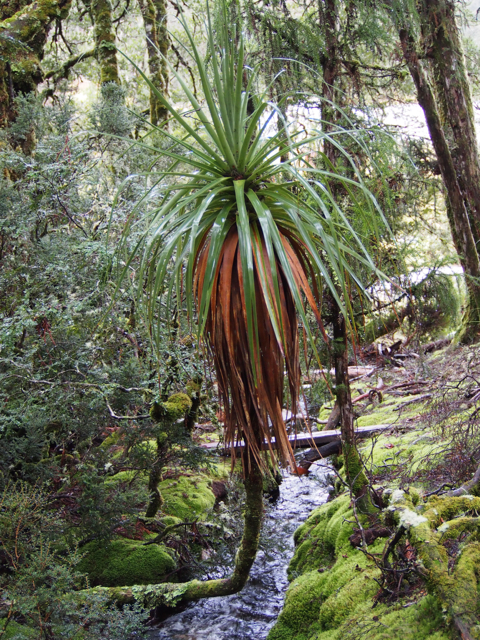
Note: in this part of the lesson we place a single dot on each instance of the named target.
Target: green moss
(353, 468)
(325, 411)
(126, 562)
(445, 508)
(173, 409)
(193, 387)
(405, 449)
(187, 498)
(110, 440)
(383, 413)
(169, 520)
(331, 597)
(126, 477)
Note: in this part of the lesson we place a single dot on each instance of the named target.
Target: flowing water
(250, 614)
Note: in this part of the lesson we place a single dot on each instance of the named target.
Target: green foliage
(39, 579)
(233, 178)
(109, 115)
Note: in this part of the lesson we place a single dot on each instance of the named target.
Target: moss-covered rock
(331, 595)
(187, 498)
(126, 562)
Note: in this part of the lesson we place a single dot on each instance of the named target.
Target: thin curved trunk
(328, 14)
(172, 594)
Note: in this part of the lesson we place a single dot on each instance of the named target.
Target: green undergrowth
(15, 630)
(186, 497)
(396, 452)
(387, 412)
(125, 562)
(333, 586)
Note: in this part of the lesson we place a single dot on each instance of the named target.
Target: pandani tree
(249, 242)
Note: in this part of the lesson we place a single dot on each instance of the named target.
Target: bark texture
(105, 41)
(154, 13)
(23, 35)
(443, 48)
(459, 199)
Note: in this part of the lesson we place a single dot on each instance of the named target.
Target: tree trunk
(155, 500)
(171, 594)
(443, 48)
(356, 479)
(328, 17)
(456, 206)
(154, 13)
(105, 41)
(22, 40)
(355, 476)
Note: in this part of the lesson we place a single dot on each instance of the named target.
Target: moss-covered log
(425, 527)
(168, 594)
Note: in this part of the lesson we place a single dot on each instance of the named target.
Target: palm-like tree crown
(249, 238)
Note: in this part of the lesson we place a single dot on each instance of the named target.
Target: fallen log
(301, 440)
(320, 453)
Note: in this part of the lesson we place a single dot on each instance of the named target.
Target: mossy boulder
(333, 588)
(126, 562)
(187, 498)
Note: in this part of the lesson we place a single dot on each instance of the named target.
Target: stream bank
(252, 612)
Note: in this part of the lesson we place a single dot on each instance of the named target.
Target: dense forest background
(107, 393)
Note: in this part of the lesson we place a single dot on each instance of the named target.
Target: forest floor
(410, 569)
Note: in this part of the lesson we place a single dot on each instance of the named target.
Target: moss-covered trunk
(169, 594)
(442, 41)
(105, 41)
(457, 209)
(22, 41)
(354, 473)
(154, 13)
(155, 500)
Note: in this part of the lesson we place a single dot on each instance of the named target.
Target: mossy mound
(409, 450)
(331, 596)
(187, 498)
(126, 562)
